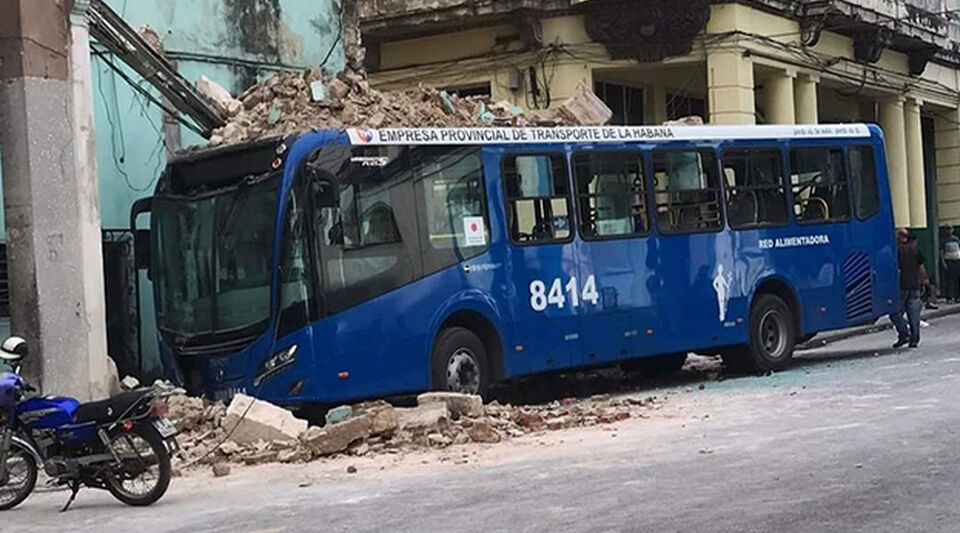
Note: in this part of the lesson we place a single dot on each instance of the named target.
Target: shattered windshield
(212, 267)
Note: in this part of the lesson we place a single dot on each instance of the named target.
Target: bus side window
(452, 208)
(368, 242)
(819, 184)
(611, 194)
(687, 190)
(538, 198)
(863, 181)
(756, 196)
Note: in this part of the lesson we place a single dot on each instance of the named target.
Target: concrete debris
(270, 434)
(458, 404)
(483, 431)
(151, 37)
(218, 95)
(220, 469)
(129, 383)
(422, 416)
(229, 448)
(258, 420)
(291, 102)
(585, 108)
(339, 414)
(383, 416)
(693, 120)
(337, 437)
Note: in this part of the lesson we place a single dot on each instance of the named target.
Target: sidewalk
(882, 324)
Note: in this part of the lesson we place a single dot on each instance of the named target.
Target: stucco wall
(233, 42)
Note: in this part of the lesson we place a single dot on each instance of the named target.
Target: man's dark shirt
(910, 261)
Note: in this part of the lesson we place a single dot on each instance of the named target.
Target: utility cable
(146, 94)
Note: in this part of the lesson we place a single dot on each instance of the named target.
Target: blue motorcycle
(122, 444)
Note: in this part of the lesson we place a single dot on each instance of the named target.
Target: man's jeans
(910, 300)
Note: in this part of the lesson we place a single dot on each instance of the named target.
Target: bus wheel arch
(773, 330)
(780, 289)
(461, 325)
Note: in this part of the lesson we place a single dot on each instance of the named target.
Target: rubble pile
(253, 432)
(290, 102)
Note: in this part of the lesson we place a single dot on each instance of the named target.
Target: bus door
(695, 283)
(367, 237)
(818, 251)
(615, 282)
(282, 371)
(870, 271)
(539, 224)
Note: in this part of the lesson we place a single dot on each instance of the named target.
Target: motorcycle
(122, 444)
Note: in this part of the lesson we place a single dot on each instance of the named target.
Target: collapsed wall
(291, 102)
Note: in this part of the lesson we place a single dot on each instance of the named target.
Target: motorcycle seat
(107, 410)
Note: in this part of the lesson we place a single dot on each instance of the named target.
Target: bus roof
(599, 134)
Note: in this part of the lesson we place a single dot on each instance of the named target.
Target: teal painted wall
(233, 42)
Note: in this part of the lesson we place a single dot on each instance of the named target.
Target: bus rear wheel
(772, 338)
(460, 362)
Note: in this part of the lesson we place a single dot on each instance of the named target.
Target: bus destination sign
(595, 134)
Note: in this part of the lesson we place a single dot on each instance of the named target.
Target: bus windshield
(213, 259)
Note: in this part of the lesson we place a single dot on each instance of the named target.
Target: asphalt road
(856, 437)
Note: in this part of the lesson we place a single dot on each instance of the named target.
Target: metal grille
(4, 283)
(122, 288)
(858, 285)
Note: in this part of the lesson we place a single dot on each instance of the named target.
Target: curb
(843, 334)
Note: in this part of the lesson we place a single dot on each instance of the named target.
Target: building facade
(893, 62)
(233, 42)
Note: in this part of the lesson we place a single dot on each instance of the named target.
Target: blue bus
(338, 265)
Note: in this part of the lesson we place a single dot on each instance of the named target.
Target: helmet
(14, 349)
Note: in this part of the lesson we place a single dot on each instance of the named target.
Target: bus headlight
(275, 363)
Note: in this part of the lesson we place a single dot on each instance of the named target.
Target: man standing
(950, 263)
(911, 262)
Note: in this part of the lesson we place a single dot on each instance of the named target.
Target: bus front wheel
(772, 338)
(460, 362)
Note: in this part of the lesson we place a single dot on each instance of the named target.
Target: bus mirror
(141, 249)
(325, 193)
(141, 237)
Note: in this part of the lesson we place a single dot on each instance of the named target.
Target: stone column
(730, 87)
(565, 79)
(778, 101)
(805, 96)
(891, 118)
(655, 104)
(947, 126)
(50, 196)
(916, 181)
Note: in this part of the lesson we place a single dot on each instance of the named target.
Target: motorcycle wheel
(146, 471)
(22, 477)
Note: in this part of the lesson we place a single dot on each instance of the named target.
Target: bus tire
(772, 337)
(460, 362)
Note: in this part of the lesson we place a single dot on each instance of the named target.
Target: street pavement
(855, 437)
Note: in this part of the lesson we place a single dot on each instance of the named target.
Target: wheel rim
(18, 477)
(463, 372)
(773, 334)
(140, 474)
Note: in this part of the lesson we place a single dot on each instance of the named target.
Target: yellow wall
(744, 48)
